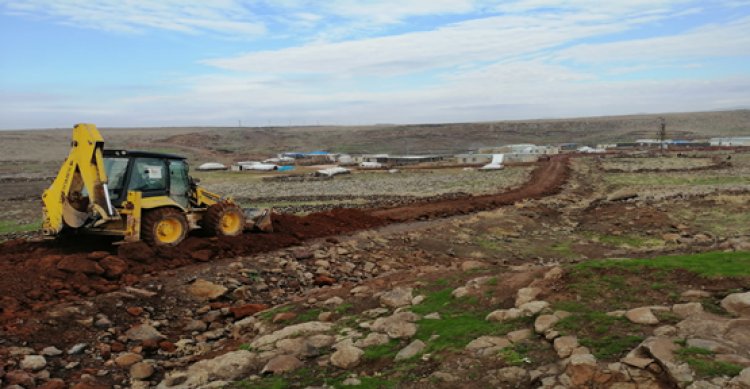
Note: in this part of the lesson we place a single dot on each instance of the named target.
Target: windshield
(115, 169)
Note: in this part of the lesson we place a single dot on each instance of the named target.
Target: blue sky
(301, 62)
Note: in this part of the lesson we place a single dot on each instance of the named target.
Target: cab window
(149, 175)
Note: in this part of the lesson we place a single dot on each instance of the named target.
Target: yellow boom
(65, 202)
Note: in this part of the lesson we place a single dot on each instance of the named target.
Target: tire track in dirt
(37, 274)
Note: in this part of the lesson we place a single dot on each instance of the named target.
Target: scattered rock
(141, 370)
(311, 327)
(544, 323)
(512, 377)
(533, 307)
(743, 379)
(51, 351)
(460, 292)
(581, 369)
(565, 345)
(144, 332)
(519, 335)
(694, 295)
(737, 303)
(488, 341)
(411, 350)
(525, 295)
(281, 364)
(397, 297)
(687, 309)
(642, 315)
(502, 315)
(662, 349)
(33, 362)
(346, 356)
(206, 290)
(125, 360)
(77, 348)
(397, 326)
(373, 339)
(638, 362)
(226, 367)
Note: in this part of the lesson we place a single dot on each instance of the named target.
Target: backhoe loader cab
(137, 195)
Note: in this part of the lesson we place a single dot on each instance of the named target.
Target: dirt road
(37, 274)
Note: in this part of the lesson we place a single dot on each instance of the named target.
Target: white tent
(333, 171)
(255, 165)
(496, 163)
(212, 166)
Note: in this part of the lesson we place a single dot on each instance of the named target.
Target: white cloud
(186, 16)
(730, 39)
(488, 39)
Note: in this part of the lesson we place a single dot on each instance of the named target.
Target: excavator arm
(79, 192)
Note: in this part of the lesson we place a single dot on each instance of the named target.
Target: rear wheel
(164, 227)
(224, 219)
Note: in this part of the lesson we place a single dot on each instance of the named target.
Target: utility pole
(662, 134)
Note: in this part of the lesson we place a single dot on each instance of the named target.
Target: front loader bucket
(258, 219)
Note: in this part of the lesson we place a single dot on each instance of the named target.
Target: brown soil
(36, 274)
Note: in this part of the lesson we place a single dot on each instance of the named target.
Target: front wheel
(224, 219)
(164, 227)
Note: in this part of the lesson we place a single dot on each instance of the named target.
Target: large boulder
(227, 367)
(346, 356)
(397, 326)
(663, 349)
(411, 350)
(206, 290)
(525, 295)
(144, 332)
(282, 364)
(397, 297)
(642, 315)
(311, 327)
(737, 303)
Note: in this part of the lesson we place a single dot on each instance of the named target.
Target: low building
(522, 148)
(473, 159)
(731, 141)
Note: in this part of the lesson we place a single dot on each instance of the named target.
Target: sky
(343, 62)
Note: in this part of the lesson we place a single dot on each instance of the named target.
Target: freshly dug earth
(37, 274)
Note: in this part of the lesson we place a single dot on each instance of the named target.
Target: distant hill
(228, 144)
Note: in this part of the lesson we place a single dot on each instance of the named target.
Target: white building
(733, 141)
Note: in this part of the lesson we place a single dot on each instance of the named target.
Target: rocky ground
(514, 297)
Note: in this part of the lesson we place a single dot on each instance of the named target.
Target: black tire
(164, 227)
(224, 219)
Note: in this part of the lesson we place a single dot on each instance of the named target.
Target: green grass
(628, 240)
(382, 351)
(701, 361)
(462, 320)
(513, 357)
(711, 264)
(12, 226)
(671, 179)
(607, 337)
(611, 347)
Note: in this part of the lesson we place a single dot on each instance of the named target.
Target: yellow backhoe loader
(138, 195)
